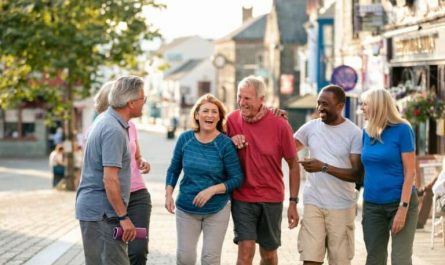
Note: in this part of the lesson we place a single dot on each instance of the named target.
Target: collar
(114, 114)
(261, 113)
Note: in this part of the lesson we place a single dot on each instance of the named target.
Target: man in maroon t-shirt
(263, 140)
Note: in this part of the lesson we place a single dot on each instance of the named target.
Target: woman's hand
(169, 203)
(143, 165)
(399, 220)
(203, 197)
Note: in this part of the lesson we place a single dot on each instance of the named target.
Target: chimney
(247, 13)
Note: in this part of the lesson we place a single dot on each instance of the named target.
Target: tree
(51, 51)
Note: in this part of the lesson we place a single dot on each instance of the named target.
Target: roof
(184, 69)
(305, 102)
(175, 42)
(251, 30)
(292, 16)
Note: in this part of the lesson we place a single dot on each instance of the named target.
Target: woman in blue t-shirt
(390, 201)
(212, 171)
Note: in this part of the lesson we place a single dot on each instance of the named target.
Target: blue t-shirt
(204, 165)
(383, 165)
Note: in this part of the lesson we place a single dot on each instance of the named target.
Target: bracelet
(122, 217)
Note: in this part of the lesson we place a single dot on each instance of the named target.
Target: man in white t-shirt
(329, 194)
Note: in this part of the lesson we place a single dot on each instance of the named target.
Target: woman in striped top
(212, 171)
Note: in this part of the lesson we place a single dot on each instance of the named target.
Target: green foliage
(49, 47)
(423, 106)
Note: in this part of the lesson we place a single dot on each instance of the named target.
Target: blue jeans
(377, 221)
(139, 210)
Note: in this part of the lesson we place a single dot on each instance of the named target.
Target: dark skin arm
(352, 174)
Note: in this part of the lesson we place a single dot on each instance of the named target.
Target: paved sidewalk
(38, 227)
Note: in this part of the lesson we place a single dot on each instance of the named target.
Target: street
(37, 224)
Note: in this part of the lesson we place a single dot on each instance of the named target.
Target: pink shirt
(269, 141)
(137, 182)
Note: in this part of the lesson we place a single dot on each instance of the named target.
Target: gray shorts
(258, 221)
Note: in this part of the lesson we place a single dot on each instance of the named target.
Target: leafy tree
(52, 50)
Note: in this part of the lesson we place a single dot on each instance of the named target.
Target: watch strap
(403, 204)
(122, 217)
(293, 199)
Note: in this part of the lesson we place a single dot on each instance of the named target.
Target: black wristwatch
(324, 168)
(293, 199)
(403, 204)
(122, 217)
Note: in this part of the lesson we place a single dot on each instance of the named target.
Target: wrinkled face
(207, 116)
(364, 107)
(328, 107)
(137, 104)
(248, 102)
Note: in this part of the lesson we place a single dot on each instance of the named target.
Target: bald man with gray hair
(104, 189)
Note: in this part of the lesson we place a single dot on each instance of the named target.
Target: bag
(440, 204)
(59, 171)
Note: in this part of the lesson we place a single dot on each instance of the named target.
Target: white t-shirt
(332, 145)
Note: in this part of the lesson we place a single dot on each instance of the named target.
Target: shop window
(19, 124)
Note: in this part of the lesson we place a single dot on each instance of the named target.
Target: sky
(210, 19)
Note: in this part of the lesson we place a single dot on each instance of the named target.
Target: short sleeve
(406, 138)
(287, 141)
(302, 134)
(357, 141)
(113, 143)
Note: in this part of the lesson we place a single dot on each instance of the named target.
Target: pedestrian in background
(57, 164)
(390, 199)
(139, 206)
(104, 190)
(263, 140)
(329, 195)
(211, 172)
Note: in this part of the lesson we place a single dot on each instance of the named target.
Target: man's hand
(311, 165)
(292, 215)
(129, 230)
(279, 112)
(239, 141)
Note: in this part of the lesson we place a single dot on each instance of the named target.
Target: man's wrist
(293, 199)
(122, 217)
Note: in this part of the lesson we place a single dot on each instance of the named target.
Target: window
(19, 123)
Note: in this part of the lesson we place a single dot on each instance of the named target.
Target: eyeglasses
(143, 98)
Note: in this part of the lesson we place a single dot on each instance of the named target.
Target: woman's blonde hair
(208, 98)
(381, 112)
(101, 97)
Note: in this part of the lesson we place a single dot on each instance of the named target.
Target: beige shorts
(331, 230)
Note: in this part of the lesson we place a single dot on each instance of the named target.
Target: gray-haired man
(104, 189)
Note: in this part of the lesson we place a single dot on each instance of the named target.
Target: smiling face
(329, 108)
(248, 101)
(207, 117)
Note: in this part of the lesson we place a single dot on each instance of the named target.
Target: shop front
(416, 57)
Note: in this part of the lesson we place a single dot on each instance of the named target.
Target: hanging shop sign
(287, 84)
(344, 76)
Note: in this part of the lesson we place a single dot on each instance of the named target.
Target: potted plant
(423, 106)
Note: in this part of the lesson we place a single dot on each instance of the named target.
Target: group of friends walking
(231, 165)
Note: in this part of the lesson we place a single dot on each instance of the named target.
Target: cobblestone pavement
(37, 224)
(32, 221)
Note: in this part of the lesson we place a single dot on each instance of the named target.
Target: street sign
(344, 76)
